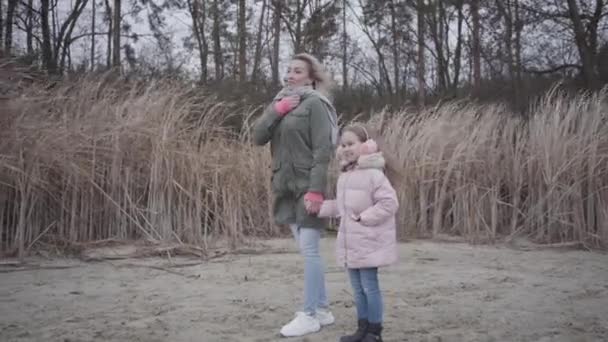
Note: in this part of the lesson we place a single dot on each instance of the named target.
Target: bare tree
(586, 40)
(436, 20)
(458, 51)
(369, 24)
(344, 48)
(108, 19)
(47, 52)
(509, 10)
(278, 8)
(10, 17)
(1, 24)
(116, 21)
(93, 13)
(29, 27)
(476, 48)
(218, 56)
(395, 44)
(258, 44)
(421, 63)
(198, 13)
(242, 32)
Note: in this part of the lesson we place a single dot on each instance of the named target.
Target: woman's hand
(287, 104)
(313, 202)
(355, 217)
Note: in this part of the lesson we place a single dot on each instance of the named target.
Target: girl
(366, 204)
(300, 125)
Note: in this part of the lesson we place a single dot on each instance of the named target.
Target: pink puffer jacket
(365, 192)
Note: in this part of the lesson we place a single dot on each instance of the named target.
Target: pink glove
(283, 106)
(313, 202)
(315, 197)
(368, 147)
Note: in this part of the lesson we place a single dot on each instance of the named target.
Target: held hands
(313, 202)
(287, 104)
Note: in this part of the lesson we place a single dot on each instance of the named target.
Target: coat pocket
(301, 180)
(275, 179)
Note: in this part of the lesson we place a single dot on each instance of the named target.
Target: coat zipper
(345, 219)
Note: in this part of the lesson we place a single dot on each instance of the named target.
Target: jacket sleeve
(320, 134)
(265, 125)
(329, 208)
(385, 200)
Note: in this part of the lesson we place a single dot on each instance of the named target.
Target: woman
(301, 126)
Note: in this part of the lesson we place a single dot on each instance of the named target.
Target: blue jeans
(314, 269)
(368, 297)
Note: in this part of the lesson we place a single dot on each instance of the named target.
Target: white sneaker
(325, 317)
(301, 325)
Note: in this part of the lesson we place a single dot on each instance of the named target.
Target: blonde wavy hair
(317, 73)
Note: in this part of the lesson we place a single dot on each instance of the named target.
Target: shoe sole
(327, 323)
(308, 333)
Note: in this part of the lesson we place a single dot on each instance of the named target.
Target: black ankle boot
(359, 334)
(374, 333)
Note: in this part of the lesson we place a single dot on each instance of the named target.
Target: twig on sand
(160, 268)
(31, 267)
(526, 245)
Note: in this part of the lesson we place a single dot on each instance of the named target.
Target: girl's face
(350, 147)
(298, 74)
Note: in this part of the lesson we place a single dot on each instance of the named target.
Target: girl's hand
(355, 217)
(287, 104)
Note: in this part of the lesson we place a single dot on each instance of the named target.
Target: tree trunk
(444, 27)
(476, 48)
(257, 59)
(109, 37)
(507, 14)
(458, 52)
(395, 47)
(242, 41)
(344, 49)
(436, 21)
(297, 46)
(10, 18)
(198, 23)
(421, 65)
(586, 54)
(518, 29)
(278, 7)
(1, 24)
(93, 13)
(64, 38)
(593, 25)
(116, 39)
(217, 44)
(54, 25)
(47, 53)
(29, 27)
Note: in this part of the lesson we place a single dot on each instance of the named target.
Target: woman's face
(350, 146)
(298, 74)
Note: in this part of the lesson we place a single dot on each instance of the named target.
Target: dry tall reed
(97, 159)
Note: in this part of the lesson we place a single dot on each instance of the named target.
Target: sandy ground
(438, 292)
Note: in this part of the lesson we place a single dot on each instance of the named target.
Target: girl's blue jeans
(368, 298)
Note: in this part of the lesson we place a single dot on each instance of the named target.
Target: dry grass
(96, 159)
(481, 173)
